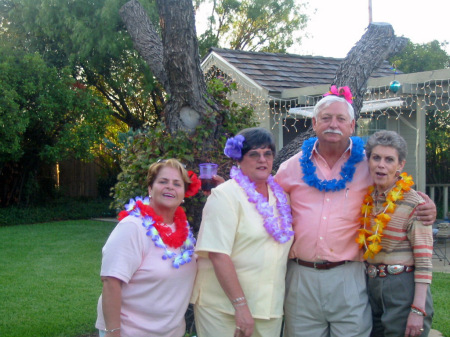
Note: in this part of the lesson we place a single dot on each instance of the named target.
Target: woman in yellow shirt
(243, 245)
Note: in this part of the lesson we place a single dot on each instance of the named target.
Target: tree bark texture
(378, 44)
(174, 59)
(292, 148)
(145, 38)
(182, 63)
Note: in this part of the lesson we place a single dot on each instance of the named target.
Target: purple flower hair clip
(233, 147)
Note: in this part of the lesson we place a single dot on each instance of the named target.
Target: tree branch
(378, 44)
(145, 39)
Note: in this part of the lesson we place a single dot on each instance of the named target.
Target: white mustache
(333, 131)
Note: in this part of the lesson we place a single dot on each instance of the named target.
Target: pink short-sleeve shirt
(155, 295)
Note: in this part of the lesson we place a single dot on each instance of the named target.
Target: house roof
(277, 72)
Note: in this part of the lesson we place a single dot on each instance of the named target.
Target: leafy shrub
(142, 148)
(57, 210)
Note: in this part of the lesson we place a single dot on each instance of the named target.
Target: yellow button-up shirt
(231, 225)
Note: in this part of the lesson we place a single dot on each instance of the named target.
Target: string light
(432, 96)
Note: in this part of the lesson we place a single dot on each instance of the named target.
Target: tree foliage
(45, 116)
(254, 25)
(46, 106)
(85, 43)
(422, 57)
(89, 37)
(141, 149)
(438, 148)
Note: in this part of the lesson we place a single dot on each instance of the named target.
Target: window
(368, 126)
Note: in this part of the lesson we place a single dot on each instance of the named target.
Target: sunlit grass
(49, 280)
(440, 289)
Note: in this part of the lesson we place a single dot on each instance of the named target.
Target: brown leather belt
(319, 265)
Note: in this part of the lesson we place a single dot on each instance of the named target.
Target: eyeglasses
(165, 160)
(255, 155)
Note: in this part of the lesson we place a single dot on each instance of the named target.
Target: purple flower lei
(187, 249)
(280, 228)
(233, 147)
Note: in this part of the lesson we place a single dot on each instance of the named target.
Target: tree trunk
(182, 63)
(145, 38)
(174, 59)
(292, 148)
(378, 44)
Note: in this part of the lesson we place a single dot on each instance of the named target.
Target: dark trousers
(390, 298)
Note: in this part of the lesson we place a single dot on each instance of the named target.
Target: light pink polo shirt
(325, 223)
(155, 295)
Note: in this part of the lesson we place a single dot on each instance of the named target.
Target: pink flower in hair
(342, 92)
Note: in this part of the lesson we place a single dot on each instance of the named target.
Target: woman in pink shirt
(397, 246)
(148, 270)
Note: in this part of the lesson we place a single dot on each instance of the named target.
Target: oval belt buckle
(395, 269)
(372, 271)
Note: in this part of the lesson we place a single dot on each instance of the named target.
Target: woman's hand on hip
(244, 322)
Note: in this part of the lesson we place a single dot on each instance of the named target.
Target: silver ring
(238, 328)
(421, 329)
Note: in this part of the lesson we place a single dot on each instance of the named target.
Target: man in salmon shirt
(326, 279)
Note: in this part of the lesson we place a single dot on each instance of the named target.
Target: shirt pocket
(347, 205)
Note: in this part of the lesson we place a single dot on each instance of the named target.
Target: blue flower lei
(187, 249)
(347, 170)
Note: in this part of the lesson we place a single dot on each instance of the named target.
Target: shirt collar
(348, 150)
(385, 193)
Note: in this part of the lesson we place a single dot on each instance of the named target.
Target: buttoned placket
(323, 246)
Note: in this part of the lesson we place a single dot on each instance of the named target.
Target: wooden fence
(78, 179)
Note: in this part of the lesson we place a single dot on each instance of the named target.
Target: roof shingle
(277, 72)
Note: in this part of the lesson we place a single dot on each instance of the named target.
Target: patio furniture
(440, 242)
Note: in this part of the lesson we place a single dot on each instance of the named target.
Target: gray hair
(328, 100)
(387, 138)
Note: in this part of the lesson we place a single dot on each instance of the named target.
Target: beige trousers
(327, 303)
(212, 323)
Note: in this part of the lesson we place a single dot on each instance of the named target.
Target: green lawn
(49, 280)
(440, 289)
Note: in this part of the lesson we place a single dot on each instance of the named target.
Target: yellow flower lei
(370, 239)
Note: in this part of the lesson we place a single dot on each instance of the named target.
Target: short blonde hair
(155, 168)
